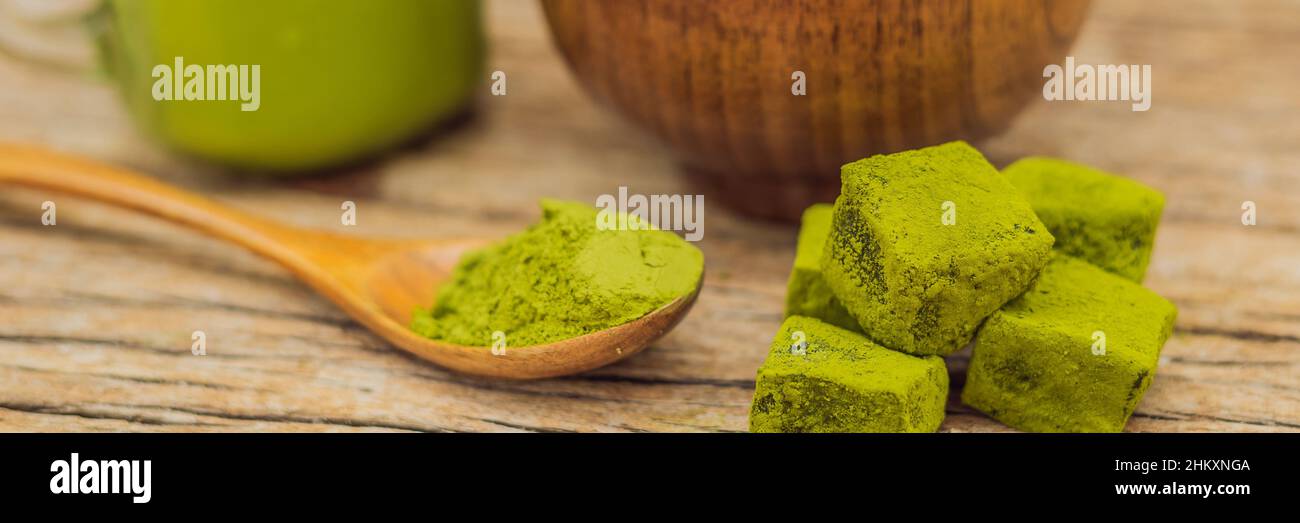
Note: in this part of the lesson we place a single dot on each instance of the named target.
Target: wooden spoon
(377, 282)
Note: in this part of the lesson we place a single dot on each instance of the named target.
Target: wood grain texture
(96, 313)
(714, 80)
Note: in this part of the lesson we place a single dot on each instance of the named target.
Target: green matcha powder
(559, 279)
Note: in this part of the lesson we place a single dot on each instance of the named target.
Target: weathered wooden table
(96, 313)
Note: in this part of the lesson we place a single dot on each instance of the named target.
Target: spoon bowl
(407, 278)
(377, 282)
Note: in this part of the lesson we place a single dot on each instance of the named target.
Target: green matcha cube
(926, 243)
(807, 294)
(821, 378)
(1075, 353)
(1101, 218)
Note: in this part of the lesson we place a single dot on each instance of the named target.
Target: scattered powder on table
(561, 278)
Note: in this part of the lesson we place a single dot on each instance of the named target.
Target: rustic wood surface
(96, 312)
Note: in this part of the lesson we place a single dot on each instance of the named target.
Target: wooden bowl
(714, 80)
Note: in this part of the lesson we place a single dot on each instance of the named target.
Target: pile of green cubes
(926, 250)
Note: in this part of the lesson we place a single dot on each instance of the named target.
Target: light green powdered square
(1104, 219)
(839, 381)
(1037, 364)
(925, 244)
(807, 293)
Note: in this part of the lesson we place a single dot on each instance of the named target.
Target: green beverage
(335, 80)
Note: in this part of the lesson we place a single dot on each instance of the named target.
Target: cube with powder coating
(1075, 353)
(807, 293)
(925, 244)
(821, 378)
(1104, 219)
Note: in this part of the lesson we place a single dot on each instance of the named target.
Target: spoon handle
(43, 169)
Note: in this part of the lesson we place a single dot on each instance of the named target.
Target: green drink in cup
(334, 80)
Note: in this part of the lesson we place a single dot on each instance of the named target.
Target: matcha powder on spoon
(561, 278)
